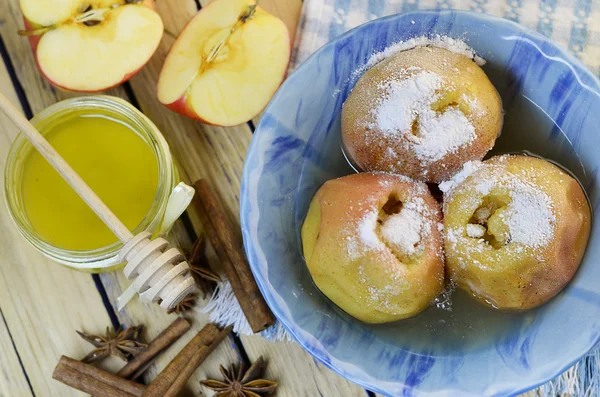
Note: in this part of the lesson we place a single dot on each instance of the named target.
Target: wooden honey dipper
(158, 272)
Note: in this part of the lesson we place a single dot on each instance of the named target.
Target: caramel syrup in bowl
(455, 321)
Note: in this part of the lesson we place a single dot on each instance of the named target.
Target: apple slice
(90, 46)
(226, 64)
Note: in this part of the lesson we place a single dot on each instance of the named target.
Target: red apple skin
(150, 4)
(35, 40)
(180, 106)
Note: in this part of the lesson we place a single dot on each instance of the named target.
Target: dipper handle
(158, 273)
(65, 170)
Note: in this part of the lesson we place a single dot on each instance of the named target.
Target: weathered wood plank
(304, 376)
(12, 378)
(42, 302)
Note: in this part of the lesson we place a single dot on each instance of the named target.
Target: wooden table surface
(43, 303)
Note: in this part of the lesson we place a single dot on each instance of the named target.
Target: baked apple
(515, 230)
(373, 245)
(422, 113)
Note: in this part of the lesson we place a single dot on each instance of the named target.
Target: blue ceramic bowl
(552, 106)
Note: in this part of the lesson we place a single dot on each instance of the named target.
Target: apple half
(226, 64)
(91, 45)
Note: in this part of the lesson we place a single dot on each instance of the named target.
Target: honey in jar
(112, 159)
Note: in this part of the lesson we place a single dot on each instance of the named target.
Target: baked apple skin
(515, 231)
(373, 245)
(430, 145)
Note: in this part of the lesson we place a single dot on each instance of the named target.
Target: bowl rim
(323, 356)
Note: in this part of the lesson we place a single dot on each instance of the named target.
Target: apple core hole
(393, 205)
(444, 107)
(449, 100)
(482, 215)
(414, 128)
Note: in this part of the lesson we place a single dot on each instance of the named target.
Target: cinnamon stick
(136, 366)
(230, 253)
(95, 381)
(173, 378)
(86, 383)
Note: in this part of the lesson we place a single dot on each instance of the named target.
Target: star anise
(199, 263)
(121, 343)
(185, 305)
(204, 277)
(205, 273)
(241, 382)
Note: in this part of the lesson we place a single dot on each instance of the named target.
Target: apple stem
(247, 14)
(169, 33)
(36, 32)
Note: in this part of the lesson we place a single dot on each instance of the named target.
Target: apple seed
(243, 18)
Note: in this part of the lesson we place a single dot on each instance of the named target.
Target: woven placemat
(572, 24)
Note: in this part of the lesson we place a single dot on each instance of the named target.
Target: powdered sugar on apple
(366, 231)
(454, 45)
(475, 231)
(403, 232)
(407, 105)
(529, 216)
(468, 168)
(408, 101)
